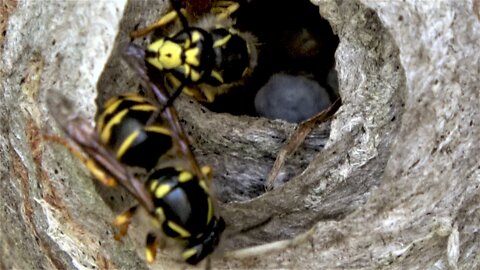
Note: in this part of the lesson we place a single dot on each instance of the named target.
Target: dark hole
(294, 40)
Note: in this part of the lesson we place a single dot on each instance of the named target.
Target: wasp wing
(86, 138)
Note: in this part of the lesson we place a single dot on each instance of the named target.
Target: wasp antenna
(134, 56)
(172, 98)
(177, 6)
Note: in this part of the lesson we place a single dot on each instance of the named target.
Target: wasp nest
(390, 181)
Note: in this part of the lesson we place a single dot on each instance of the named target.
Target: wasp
(203, 60)
(123, 126)
(131, 131)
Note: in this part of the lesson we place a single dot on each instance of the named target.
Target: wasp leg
(297, 138)
(164, 20)
(134, 55)
(94, 169)
(224, 9)
(277, 246)
(122, 222)
(209, 93)
(204, 93)
(207, 173)
(151, 247)
(208, 263)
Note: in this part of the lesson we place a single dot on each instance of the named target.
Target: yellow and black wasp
(123, 126)
(204, 60)
(131, 130)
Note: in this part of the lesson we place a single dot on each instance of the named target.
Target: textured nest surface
(391, 181)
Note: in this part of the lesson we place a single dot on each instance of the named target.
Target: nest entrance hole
(292, 39)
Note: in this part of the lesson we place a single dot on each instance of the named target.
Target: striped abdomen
(122, 126)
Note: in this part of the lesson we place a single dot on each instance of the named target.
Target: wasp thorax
(165, 54)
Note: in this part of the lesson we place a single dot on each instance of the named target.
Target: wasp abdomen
(185, 209)
(123, 127)
(232, 54)
(182, 201)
